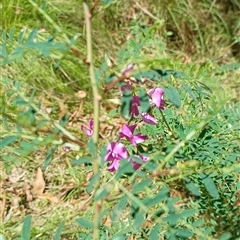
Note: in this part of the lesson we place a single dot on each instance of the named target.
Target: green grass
(195, 38)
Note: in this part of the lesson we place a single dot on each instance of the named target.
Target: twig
(94, 6)
(96, 100)
(115, 81)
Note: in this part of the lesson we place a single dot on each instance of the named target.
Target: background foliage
(189, 189)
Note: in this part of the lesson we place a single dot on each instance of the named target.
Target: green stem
(96, 100)
(165, 121)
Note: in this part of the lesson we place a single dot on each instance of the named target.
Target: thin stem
(165, 121)
(96, 100)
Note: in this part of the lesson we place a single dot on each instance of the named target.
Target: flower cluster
(156, 99)
(116, 151)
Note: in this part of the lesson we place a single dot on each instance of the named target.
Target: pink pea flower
(149, 118)
(115, 152)
(156, 95)
(127, 132)
(137, 165)
(134, 105)
(88, 129)
(128, 69)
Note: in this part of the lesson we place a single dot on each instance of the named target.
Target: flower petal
(157, 97)
(113, 166)
(88, 130)
(121, 151)
(136, 165)
(128, 69)
(148, 118)
(134, 105)
(127, 131)
(139, 138)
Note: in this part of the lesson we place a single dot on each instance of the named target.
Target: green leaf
(19, 101)
(210, 186)
(3, 51)
(11, 35)
(163, 194)
(190, 92)
(158, 74)
(57, 235)
(44, 6)
(32, 37)
(103, 68)
(92, 182)
(7, 140)
(172, 236)
(154, 234)
(225, 236)
(140, 186)
(126, 104)
(82, 160)
(49, 157)
(173, 96)
(183, 233)
(64, 120)
(150, 74)
(4, 37)
(187, 213)
(26, 230)
(84, 223)
(119, 208)
(26, 146)
(111, 77)
(73, 40)
(139, 219)
(229, 67)
(144, 101)
(20, 36)
(124, 169)
(100, 193)
(192, 188)
(91, 146)
(118, 236)
(173, 218)
(5, 122)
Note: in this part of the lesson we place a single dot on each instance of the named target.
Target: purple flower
(115, 152)
(149, 118)
(88, 130)
(134, 105)
(128, 69)
(126, 87)
(156, 95)
(137, 165)
(127, 132)
(114, 165)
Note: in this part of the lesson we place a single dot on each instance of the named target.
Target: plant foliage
(189, 188)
